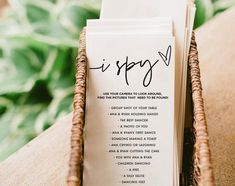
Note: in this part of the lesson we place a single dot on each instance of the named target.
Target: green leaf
(21, 74)
(1, 53)
(204, 12)
(39, 94)
(5, 124)
(43, 121)
(5, 104)
(74, 18)
(221, 5)
(30, 113)
(52, 33)
(35, 13)
(61, 104)
(62, 74)
(65, 106)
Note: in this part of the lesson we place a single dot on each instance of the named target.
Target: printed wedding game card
(182, 13)
(129, 122)
(136, 87)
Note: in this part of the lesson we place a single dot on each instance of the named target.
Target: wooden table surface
(44, 161)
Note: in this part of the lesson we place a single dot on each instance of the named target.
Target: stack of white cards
(136, 88)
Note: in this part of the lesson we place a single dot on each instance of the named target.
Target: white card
(137, 19)
(158, 25)
(129, 110)
(133, 30)
(188, 35)
(140, 9)
(130, 22)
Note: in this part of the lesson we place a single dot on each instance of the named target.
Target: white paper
(156, 26)
(130, 22)
(139, 9)
(188, 36)
(103, 105)
(137, 18)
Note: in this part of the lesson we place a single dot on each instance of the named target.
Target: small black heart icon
(166, 58)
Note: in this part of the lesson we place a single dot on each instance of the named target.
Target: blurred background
(38, 46)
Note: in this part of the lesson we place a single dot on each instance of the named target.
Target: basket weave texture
(201, 170)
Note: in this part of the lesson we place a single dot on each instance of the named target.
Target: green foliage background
(38, 46)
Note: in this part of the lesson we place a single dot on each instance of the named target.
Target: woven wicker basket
(197, 167)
